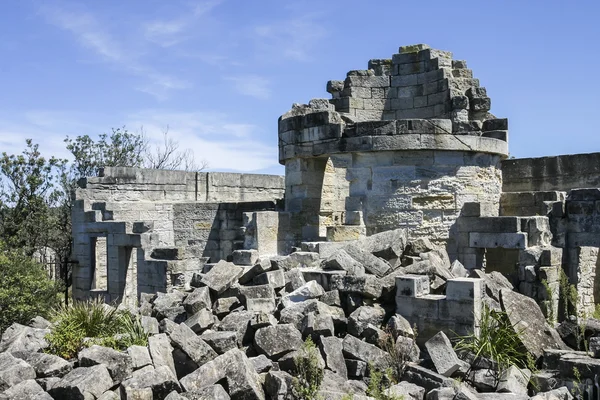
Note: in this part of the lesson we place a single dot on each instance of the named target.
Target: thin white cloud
(169, 32)
(211, 136)
(293, 38)
(90, 33)
(214, 137)
(251, 85)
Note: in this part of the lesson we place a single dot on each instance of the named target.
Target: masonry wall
(142, 231)
(563, 173)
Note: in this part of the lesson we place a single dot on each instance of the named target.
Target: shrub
(497, 341)
(25, 289)
(103, 325)
(309, 373)
(399, 353)
(379, 382)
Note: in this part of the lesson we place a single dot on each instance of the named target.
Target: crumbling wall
(142, 231)
(564, 172)
(404, 143)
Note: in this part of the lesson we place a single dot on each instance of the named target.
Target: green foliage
(497, 341)
(25, 289)
(119, 149)
(103, 325)
(577, 390)
(399, 353)
(379, 382)
(568, 295)
(28, 193)
(308, 373)
(550, 317)
(596, 313)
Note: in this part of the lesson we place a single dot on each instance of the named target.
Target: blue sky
(219, 73)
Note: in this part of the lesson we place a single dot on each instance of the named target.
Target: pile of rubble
(238, 333)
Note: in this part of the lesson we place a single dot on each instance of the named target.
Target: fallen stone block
(275, 341)
(245, 257)
(310, 290)
(298, 259)
(119, 364)
(357, 349)
(238, 322)
(293, 279)
(406, 391)
(372, 264)
(274, 278)
(317, 325)
(221, 342)
(157, 382)
(367, 286)
(20, 338)
(48, 365)
(362, 317)
(529, 322)
(161, 351)
(242, 380)
(26, 390)
(82, 382)
(14, 370)
(192, 345)
(263, 265)
(278, 385)
(442, 354)
(201, 321)
(140, 356)
(514, 380)
(197, 300)
(331, 349)
(222, 276)
(341, 260)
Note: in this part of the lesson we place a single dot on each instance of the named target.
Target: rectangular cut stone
(412, 285)
(465, 289)
(504, 240)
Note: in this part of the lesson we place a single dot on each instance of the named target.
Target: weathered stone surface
(362, 317)
(238, 322)
(372, 264)
(293, 279)
(14, 370)
(220, 341)
(201, 320)
(442, 354)
(222, 276)
(48, 365)
(82, 382)
(158, 382)
(140, 356)
(161, 351)
(367, 286)
(275, 341)
(119, 364)
(212, 392)
(341, 260)
(192, 345)
(21, 338)
(527, 319)
(242, 380)
(295, 313)
(514, 380)
(197, 300)
(359, 350)
(278, 385)
(310, 290)
(331, 349)
(26, 390)
(407, 391)
(317, 325)
(274, 278)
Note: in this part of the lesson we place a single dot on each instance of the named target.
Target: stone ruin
(399, 206)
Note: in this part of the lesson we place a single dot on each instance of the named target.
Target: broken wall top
(420, 99)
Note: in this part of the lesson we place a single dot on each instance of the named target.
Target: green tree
(29, 195)
(119, 149)
(25, 289)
